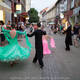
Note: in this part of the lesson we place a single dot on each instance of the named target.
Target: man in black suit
(38, 44)
(68, 39)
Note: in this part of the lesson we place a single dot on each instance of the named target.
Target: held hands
(48, 37)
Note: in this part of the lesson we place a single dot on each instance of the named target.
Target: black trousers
(2, 37)
(67, 46)
(39, 57)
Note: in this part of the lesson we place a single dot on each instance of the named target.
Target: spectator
(2, 35)
(75, 30)
(8, 26)
(68, 39)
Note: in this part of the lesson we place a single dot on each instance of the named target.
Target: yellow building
(4, 8)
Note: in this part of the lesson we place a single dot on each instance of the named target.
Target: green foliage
(33, 15)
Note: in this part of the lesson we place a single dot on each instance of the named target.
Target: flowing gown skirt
(13, 51)
(46, 50)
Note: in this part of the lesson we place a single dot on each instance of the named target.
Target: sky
(41, 4)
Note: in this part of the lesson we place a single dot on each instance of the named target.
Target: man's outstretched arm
(30, 35)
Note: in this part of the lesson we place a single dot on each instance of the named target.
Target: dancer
(38, 45)
(46, 50)
(68, 39)
(13, 51)
(76, 32)
(2, 35)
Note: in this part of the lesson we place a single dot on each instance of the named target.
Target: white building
(5, 10)
(28, 5)
(42, 16)
(51, 13)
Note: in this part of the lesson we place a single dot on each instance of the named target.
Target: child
(38, 45)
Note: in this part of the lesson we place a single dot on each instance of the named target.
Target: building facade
(53, 12)
(5, 6)
(18, 10)
(28, 5)
(43, 16)
(72, 14)
(76, 12)
(50, 14)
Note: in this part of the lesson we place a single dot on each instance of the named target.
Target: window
(72, 3)
(65, 5)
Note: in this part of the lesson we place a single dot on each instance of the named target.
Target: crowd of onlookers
(21, 26)
(59, 28)
(76, 34)
(8, 26)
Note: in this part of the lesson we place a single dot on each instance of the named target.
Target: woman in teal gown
(13, 51)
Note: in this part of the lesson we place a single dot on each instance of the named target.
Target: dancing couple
(13, 51)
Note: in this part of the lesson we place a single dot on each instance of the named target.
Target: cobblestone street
(60, 65)
(58, 20)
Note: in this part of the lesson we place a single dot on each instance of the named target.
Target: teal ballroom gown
(13, 51)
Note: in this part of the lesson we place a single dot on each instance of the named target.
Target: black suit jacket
(38, 38)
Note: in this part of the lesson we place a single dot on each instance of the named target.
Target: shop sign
(18, 7)
(76, 10)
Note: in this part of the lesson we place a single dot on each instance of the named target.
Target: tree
(33, 15)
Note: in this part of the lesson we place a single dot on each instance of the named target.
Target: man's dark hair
(1, 23)
(38, 24)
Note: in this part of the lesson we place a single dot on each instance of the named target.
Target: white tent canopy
(51, 23)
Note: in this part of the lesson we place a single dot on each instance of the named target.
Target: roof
(24, 14)
(45, 9)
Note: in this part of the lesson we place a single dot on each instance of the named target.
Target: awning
(4, 6)
(51, 23)
(24, 14)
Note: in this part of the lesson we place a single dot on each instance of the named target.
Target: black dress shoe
(11, 64)
(41, 66)
(67, 49)
(34, 62)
